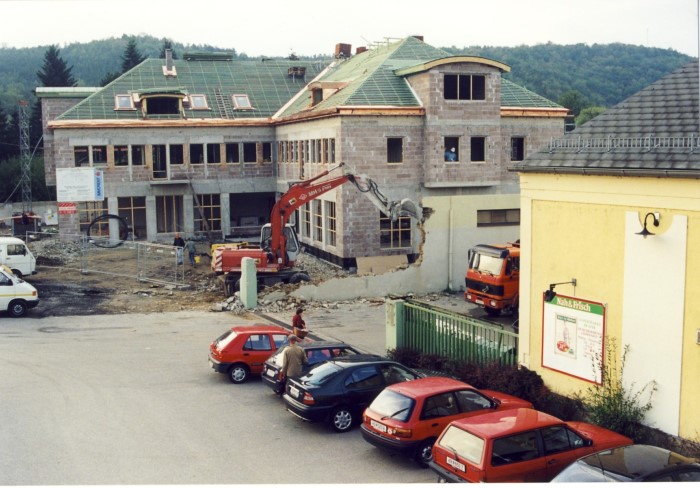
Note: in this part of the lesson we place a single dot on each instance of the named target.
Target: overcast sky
(307, 27)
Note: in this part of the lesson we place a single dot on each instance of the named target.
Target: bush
(610, 404)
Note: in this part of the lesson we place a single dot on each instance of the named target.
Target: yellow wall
(573, 227)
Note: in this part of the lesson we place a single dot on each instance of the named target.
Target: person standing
(191, 250)
(451, 154)
(179, 244)
(298, 324)
(293, 359)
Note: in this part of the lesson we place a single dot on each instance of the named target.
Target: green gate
(433, 330)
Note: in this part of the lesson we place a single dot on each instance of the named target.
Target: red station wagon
(408, 417)
(521, 445)
(242, 351)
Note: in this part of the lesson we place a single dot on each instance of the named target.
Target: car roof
(323, 344)
(636, 461)
(258, 328)
(504, 422)
(428, 386)
(359, 359)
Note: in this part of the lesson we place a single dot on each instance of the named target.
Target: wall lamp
(550, 294)
(645, 232)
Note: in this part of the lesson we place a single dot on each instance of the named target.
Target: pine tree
(131, 57)
(54, 71)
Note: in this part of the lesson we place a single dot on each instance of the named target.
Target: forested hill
(603, 74)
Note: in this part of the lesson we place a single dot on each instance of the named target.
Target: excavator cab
(292, 246)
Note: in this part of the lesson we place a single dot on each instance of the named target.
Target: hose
(123, 231)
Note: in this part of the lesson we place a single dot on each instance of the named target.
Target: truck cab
(493, 277)
(15, 254)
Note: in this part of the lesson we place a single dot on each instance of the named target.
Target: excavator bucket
(406, 208)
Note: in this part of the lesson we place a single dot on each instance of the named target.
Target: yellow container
(197, 259)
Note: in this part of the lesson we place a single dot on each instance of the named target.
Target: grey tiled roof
(654, 132)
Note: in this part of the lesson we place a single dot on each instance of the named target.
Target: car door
(562, 446)
(7, 291)
(516, 458)
(437, 411)
(256, 349)
(361, 386)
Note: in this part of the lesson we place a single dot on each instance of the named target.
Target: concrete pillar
(225, 214)
(113, 209)
(249, 283)
(188, 211)
(394, 319)
(151, 219)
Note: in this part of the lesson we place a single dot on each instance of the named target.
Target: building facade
(205, 144)
(615, 206)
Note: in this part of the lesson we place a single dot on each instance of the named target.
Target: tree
(587, 114)
(109, 78)
(9, 145)
(131, 57)
(574, 101)
(54, 71)
(167, 44)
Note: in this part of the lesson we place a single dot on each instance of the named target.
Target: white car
(16, 295)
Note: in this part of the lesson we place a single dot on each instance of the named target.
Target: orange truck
(493, 277)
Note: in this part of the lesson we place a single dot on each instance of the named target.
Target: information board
(79, 184)
(572, 337)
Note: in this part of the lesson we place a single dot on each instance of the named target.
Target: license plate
(270, 373)
(456, 464)
(294, 392)
(480, 302)
(376, 425)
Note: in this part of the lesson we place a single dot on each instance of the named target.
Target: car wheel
(238, 373)
(424, 453)
(17, 308)
(342, 419)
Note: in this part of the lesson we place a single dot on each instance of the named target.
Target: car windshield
(392, 405)
(320, 373)
(225, 339)
(463, 444)
(487, 264)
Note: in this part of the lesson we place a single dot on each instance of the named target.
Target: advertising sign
(572, 337)
(79, 184)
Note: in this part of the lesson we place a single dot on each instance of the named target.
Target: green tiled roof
(370, 79)
(266, 83)
(513, 95)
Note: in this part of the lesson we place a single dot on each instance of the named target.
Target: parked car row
(463, 434)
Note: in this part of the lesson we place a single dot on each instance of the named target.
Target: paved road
(130, 399)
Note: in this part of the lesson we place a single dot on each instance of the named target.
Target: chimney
(343, 50)
(169, 59)
(420, 38)
(360, 50)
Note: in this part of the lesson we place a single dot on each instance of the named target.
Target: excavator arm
(304, 191)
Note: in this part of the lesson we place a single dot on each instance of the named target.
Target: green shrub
(610, 404)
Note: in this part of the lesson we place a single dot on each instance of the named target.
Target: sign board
(67, 208)
(572, 337)
(79, 184)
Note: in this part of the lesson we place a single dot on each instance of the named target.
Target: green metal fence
(436, 331)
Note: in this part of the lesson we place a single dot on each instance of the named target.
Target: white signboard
(572, 337)
(79, 184)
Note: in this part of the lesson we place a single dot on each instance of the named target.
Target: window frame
(202, 104)
(241, 101)
(119, 105)
(477, 149)
(461, 87)
(517, 148)
(394, 153)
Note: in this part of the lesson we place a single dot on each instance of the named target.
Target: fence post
(393, 322)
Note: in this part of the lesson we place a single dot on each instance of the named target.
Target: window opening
(250, 152)
(464, 87)
(396, 234)
(318, 220)
(210, 205)
(196, 153)
(394, 150)
(123, 102)
(213, 153)
(478, 149)
(160, 163)
(232, 155)
(517, 148)
(121, 155)
(451, 149)
(495, 217)
(177, 154)
(133, 211)
(163, 105)
(330, 224)
(241, 102)
(169, 213)
(137, 153)
(199, 102)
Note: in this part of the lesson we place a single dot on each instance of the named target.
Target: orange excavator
(279, 246)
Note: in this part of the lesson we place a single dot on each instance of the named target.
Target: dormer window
(242, 102)
(198, 102)
(316, 96)
(123, 102)
(163, 105)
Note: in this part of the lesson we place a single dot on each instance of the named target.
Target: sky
(308, 27)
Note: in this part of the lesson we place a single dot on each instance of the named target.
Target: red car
(511, 446)
(242, 351)
(408, 417)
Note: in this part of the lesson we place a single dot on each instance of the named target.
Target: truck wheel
(493, 312)
(298, 278)
(17, 308)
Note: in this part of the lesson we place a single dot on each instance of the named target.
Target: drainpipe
(449, 247)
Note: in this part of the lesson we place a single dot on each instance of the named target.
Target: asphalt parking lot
(130, 399)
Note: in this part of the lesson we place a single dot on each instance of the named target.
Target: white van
(15, 254)
(16, 295)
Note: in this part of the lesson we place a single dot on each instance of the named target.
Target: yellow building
(610, 222)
